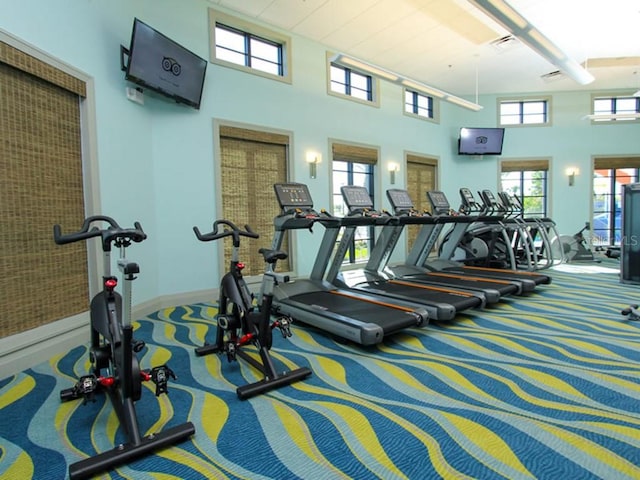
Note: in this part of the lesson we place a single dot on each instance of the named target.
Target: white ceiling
(447, 43)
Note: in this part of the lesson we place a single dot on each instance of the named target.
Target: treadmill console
(356, 198)
(439, 201)
(293, 195)
(399, 199)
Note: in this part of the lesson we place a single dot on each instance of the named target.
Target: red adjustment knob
(240, 265)
(145, 376)
(110, 283)
(107, 381)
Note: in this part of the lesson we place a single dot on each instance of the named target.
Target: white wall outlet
(135, 95)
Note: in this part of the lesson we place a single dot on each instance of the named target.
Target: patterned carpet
(546, 386)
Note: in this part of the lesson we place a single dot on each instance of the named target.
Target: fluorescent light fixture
(612, 116)
(366, 67)
(380, 72)
(516, 24)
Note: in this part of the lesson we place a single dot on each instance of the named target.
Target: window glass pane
(510, 119)
(229, 39)
(602, 105)
(509, 108)
(265, 66)
(533, 107)
(231, 56)
(625, 105)
(533, 119)
(265, 51)
(361, 94)
(423, 101)
(359, 81)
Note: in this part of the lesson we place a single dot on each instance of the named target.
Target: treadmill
(442, 303)
(354, 316)
(420, 251)
(406, 214)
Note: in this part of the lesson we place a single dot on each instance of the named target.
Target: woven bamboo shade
(251, 162)
(421, 177)
(354, 153)
(40, 185)
(523, 165)
(616, 162)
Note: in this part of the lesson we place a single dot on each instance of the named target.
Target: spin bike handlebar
(111, 234)
(234, 231)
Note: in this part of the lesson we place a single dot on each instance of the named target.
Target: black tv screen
(160, 64)
(480, 141)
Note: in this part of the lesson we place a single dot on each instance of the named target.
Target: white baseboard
(26, 349)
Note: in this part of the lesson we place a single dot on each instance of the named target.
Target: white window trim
(548, 123)
(616, 94)
(375, 86)
(436, 108)
(216, 16)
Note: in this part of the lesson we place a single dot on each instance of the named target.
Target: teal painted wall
(156, 162)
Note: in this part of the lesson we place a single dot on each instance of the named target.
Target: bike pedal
(160, 376)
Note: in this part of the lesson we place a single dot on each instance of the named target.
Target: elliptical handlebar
(111, 234)
(234, 231)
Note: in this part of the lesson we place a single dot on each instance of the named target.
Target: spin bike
(240, 323)
(114, 366)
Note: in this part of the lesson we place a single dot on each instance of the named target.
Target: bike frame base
(126, 453)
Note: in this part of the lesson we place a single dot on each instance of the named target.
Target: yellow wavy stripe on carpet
(487, 441)
(21, 468)
(580, 442)
(451, 375)
(367, 437)
(159, 355)
(301, 436)
(16, 391)
(436, 457)
(550, 382)
(213, 424)
(166, 410)
(204, 467)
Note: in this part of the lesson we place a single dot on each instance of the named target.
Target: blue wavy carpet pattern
(545, 386)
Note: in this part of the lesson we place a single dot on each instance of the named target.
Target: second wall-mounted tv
(160, 64)
(480, 141)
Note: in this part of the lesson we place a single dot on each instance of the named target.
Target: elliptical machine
(114, 366)
(240, 323)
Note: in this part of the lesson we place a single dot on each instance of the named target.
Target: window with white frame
(612, 105)
(238, 44)
(527, 180)
(417, 104)
(524, 112)
(351, 83)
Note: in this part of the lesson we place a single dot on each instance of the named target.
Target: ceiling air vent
(505, 43)
(552, 76)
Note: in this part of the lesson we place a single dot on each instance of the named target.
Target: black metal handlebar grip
(85, 231)
(234, 230)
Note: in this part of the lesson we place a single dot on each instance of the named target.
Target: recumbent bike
(240, 323)
(115, 369)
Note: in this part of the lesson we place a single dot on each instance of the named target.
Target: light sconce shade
(571, 172)
(313, 159)
(393, 168)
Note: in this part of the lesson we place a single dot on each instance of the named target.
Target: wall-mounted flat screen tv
(162, 65)
(480, 141)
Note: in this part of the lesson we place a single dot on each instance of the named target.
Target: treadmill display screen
(293, 195)
(356, 197)
(399, 199)
(438, 200)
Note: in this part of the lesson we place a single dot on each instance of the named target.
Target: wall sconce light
(313, 159)
(393, 168)
(571, 172)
